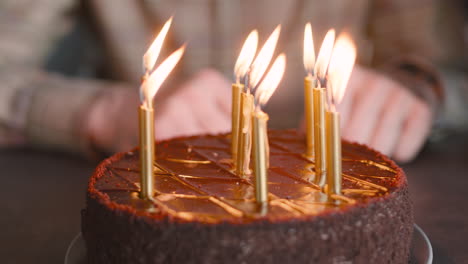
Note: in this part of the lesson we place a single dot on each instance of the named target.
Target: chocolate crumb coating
(202, 212)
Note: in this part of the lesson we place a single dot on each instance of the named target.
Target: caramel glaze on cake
(204, 213)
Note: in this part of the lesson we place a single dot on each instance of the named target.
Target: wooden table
(439, 187)
(40, 202)
(43, 193)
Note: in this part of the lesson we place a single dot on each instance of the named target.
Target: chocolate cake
(204, 213)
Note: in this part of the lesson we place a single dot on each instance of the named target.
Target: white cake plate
(421, 249)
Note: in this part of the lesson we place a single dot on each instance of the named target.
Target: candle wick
(257, 103)
(333, 105)
(145, 70)
(246, 80)
(322, 81)
(329, 99)
(142, 94)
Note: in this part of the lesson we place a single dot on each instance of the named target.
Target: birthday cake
(202, 212)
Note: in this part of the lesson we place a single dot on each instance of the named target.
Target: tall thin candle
(341, 66)
(237, 89)
(147, 151)
(319, 135)
(245, 135)
(260, 135)
(259, 123)
(241, 69)
(309, 83)
(256, 72)
(151, 84)
(320, 70)
(334, 177)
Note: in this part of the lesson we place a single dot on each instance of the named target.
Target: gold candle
(339, 71)
(149, 88)
(309, 117)
(260, 152)
(319, 135)
(245, 135)
(147, 151)
(235, 118)
(255, 73)
(260, 135)
(241, 70)
(333, 143)
(152, 81)
(320, 71)
(309, 84)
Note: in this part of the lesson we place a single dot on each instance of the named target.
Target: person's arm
(37, 107)
(393, 107)
(421, 44)
(88, 116)
(45, 110)
(29, 30)
(125, 31)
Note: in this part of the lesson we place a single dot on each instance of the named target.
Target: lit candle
(334, 177)
(241, 69)
(309, 61)
(151, 84)
(256, 72)
(320, 70)
(260, 135)
(341, 66)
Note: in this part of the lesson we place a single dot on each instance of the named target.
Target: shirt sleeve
(58, 109)
(36, 107)
(46, 110)
(421, 44)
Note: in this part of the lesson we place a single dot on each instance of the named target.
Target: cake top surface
(194, 181)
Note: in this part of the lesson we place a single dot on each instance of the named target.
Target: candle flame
(341, 66)
(324, 55)
(263, 59)
(246, 55)
(309, 50)
(153, 83)
(151, 55)
(272, 79)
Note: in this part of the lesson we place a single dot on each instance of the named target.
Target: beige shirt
(33, 103)
(215, 30)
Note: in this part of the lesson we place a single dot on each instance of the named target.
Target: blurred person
(410, 72)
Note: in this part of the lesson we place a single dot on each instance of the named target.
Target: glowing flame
(151, 55)
(271, 81)
(246, 55)
(324, 55)
(263, 59)
(155, 80)
(309, 50)
(341, 66)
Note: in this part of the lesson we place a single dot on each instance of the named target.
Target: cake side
(379, 233)
(377, 226)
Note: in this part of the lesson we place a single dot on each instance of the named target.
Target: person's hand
(202, 105)
(383, 114)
